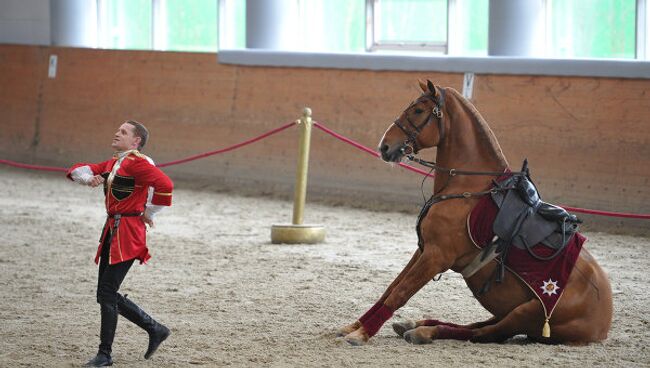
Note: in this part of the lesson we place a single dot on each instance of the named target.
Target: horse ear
(431, 88)
(423, 86)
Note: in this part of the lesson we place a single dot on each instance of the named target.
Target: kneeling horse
(470, 166)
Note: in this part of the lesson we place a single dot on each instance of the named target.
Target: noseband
(412, 135)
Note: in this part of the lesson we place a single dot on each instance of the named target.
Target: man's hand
(96, 180)
(147, 220)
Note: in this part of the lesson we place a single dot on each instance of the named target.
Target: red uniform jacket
(127, 194)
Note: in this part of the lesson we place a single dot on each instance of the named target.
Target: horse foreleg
(419, 274)
(401, 328)
(355, 325)
(426, 334)
(427, 330)
(475, 325)
(492, 330)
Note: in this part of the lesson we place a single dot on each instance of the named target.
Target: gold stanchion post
(297, 232)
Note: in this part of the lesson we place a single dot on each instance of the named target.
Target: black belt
(116, 224)
(118, 215)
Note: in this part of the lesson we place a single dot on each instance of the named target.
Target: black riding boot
(157, 332)
(106, 335)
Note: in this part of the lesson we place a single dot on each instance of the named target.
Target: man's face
(125, 138)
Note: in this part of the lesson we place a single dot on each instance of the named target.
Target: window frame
(372, 25)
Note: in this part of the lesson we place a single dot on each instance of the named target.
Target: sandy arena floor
(232, 298)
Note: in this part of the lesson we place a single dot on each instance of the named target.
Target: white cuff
(82, 175)
(152, 210)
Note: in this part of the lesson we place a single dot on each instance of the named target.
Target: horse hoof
(401, 327)
(415, 337)
(357, 338)
(355, 341)
(341, 332)
(344, 331)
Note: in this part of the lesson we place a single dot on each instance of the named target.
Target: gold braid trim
(141, 155)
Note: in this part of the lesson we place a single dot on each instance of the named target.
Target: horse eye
(418, 111)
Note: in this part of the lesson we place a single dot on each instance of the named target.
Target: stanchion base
(297, 234)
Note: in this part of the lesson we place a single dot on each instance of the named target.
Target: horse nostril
(384, 148)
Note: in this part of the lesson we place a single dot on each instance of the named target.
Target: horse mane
(483, 128)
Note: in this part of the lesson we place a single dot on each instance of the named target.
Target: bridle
(411, 142)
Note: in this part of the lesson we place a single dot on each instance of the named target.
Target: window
(321, 25)
(125, 24)
(455, 27)
(186, 26)
(468, 27)
(407, 25)
(158, 24)
(332, 25)
(573, 28)
(591, 28)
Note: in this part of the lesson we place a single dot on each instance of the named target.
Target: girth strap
(481, 259)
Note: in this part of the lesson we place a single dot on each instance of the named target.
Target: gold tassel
(546, 331)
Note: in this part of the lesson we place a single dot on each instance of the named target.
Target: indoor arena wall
(587, 139)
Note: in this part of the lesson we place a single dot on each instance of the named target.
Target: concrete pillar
(516, 28)
(272, 24)
(73, 23)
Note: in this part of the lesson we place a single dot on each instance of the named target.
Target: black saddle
(524, 220)
(529, 194)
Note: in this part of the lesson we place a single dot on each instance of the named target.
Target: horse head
(413, 130)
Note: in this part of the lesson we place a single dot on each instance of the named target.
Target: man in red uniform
(135, 190)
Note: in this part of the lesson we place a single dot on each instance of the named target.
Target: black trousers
(109, 279)
(110, 276)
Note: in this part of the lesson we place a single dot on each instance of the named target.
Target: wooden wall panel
(587, 139)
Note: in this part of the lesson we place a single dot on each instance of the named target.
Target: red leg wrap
(370, 312)
(454, 333)
(435, 322)
(373, 323)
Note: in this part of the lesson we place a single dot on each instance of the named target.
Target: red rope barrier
(333, 134)
(374, 153)
(234, 146)
(191, 158)
(366, 149)
(32, 167)
(607, 213)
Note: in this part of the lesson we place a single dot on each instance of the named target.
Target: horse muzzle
(395, 154)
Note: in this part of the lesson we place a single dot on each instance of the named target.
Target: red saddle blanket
(546, 279)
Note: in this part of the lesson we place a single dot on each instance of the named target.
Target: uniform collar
(121, 154)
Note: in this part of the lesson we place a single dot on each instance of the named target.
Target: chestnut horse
(443, 118)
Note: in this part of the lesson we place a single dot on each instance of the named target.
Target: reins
(455, 172)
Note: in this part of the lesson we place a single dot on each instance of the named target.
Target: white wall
(25, 22)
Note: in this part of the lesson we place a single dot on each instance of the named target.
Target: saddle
(524, 220)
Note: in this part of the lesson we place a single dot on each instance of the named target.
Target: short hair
(140, 131)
